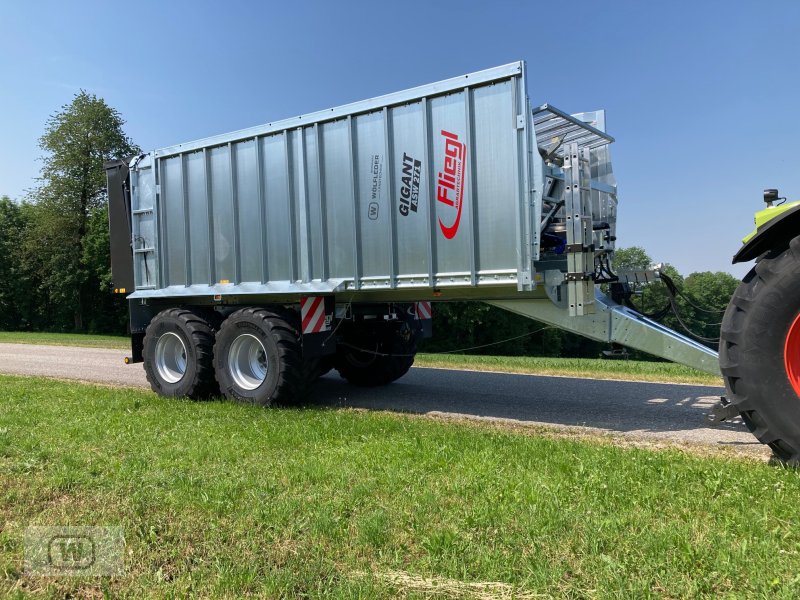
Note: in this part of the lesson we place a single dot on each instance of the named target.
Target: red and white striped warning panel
(312, 312)
(424, 310)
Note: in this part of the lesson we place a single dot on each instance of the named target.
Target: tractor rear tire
(178, 348)
(259, 360)
(760, 351)
(370, 357)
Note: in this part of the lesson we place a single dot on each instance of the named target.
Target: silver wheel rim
(171, 357)
(247, 362)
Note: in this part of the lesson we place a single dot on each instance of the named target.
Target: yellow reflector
(224, 281)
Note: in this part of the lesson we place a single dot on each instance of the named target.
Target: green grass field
(574, 367)
(65, 339)
(595, 368)
(221, 499)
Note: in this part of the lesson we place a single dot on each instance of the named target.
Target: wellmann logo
(71, 552)
(82, 551)
(450, 185)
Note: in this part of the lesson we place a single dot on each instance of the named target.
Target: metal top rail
(556, 129)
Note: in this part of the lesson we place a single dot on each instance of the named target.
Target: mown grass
(66, 339)
(594, 368)
(570, 367)
(220, 499)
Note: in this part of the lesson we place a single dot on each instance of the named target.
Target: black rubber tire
(373, 356)
(195, 331)
(751, 350)
(309, 374)
(287, 380)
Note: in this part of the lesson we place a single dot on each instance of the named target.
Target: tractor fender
(774, 234)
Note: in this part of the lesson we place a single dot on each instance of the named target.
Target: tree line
(55, 266)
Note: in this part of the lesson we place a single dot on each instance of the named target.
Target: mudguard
(777, 232)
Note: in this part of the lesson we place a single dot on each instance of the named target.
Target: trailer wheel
(376, 356)
(258, 358)
(178, 347)
(760, 351)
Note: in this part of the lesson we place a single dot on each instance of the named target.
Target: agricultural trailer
(256, 261)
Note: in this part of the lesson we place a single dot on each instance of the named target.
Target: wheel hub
(791, 355)
(247, 362)
(170, 357)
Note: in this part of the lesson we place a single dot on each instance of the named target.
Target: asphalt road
(648, 411)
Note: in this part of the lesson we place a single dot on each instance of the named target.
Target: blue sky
(702, 97)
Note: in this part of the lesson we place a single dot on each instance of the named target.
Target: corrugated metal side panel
(339, 193)
(431, 192)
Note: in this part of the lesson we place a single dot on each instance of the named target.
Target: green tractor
(759, 350)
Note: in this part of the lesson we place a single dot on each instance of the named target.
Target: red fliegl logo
(450, 186)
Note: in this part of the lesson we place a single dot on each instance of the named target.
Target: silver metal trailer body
(449, 191)
(432, 187)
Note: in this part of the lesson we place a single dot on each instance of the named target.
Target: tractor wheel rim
(791, 355)
(247, 362)
(171, 357)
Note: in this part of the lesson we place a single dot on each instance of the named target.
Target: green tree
(11, 230)
(648, 297)
(21, 301)
(631, 259)
(701, 297)
(708, 295)
(69, 202)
